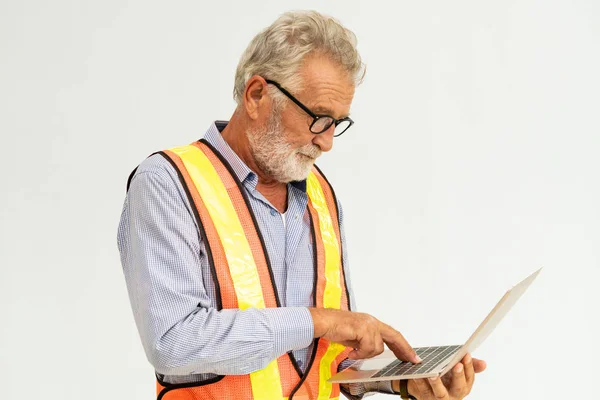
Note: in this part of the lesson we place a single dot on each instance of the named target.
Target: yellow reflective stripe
(333, 288)
(220, 208)
(266, 383)
(332, 352)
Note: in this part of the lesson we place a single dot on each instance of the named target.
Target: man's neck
(235, 136)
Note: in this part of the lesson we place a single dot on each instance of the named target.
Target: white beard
(276, 157)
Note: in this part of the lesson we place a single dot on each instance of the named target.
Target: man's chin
(296, 172)
(304, 176)
(298, 177)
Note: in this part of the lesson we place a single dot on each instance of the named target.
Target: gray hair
(278, 52)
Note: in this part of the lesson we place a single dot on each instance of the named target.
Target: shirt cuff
(379, 387)
(292, 328)
(356, 391)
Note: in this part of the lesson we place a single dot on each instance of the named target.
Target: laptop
(437, 360)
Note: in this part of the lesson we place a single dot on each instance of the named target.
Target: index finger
(398, 344)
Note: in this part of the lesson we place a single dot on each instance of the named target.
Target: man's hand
(455, 385)
(363, 332)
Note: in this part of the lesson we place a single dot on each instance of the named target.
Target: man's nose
(325, 140)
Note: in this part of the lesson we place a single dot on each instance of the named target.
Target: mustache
(310, 150)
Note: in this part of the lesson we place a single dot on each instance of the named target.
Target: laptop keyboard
(431, 357)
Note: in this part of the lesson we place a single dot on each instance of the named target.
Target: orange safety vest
(243, 277)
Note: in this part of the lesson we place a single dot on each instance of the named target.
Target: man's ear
(255, 96)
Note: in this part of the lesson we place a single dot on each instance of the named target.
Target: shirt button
(273, 212)
(300, 363)
(297, 216)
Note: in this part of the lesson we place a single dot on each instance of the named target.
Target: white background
(472, 163)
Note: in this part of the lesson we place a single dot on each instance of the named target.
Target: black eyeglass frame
(315, 117)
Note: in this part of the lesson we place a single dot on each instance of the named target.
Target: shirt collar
(240, 169)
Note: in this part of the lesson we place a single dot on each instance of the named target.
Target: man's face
(284, 147)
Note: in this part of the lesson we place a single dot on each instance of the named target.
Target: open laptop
(437, 360)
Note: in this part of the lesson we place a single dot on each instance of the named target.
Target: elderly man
(233, 246)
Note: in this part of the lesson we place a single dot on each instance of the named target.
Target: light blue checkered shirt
(172, 291)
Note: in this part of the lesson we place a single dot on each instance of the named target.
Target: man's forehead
(327, 89)
(321, 73)
(330, 100)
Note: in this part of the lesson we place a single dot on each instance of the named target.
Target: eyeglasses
(321, 122)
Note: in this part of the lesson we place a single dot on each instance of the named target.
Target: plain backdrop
(473, 162)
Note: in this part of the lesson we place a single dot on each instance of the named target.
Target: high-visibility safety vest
(240, 267)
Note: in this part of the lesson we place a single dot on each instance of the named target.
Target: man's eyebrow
(327, 111)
